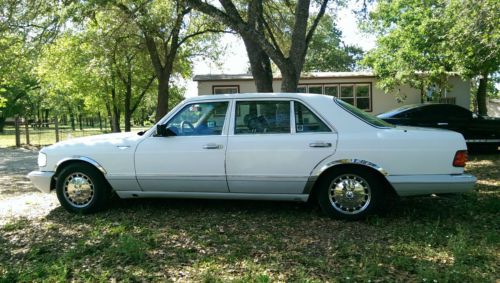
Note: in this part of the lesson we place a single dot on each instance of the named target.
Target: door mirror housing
(163, 131)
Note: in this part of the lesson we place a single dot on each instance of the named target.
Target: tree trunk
(163, 94)
(128, 98)
(46, 118)
(80, 121)
(72, 119)
(481, 95)
(110, 115)
(2, 124)
(290, 80)
(115, 117)
(100, 120)
(260, 65)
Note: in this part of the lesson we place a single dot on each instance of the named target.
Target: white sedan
(292, 147)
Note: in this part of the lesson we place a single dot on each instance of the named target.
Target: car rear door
(270, 150)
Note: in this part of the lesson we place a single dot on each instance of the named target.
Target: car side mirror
(161, 130)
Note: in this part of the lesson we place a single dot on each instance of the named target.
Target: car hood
(97, 141)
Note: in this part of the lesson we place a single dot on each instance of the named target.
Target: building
(357, 88)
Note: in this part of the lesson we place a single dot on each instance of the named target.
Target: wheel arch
(63, 163)
(354, 164)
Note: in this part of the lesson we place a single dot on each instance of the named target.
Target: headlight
(42, 159)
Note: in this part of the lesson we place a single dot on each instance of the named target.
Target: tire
(82, 189)
(350, 193)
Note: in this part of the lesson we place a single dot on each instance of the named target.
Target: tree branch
(143, 93)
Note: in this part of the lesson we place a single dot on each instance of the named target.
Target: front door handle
(320, 144)
(442, 124)
(212, 146)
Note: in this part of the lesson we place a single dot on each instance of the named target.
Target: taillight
(461, 157)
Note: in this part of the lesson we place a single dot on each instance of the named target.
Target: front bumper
(41, 180)
(415, 185)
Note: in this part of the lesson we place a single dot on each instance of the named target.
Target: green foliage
(327, 52)
(420, 42)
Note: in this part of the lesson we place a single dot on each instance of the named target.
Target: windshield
(374, 121)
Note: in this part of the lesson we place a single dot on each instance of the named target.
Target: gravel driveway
(18, 197)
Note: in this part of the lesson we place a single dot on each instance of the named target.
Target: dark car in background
(480, 133)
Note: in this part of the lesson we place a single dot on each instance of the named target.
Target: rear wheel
(82, 189)
(350, 193)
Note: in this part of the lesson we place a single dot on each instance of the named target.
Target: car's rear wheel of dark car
(350, 193)
(81, 188)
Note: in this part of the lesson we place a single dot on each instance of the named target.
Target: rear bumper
(414, 185)
(41, 180)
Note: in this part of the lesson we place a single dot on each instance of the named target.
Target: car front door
(191, 157)
(271, 151)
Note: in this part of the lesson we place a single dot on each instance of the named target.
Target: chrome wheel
(349, 194)
(78, 189)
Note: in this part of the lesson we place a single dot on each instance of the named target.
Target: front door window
(199, 119)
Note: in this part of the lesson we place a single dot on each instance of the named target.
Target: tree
(327, 52)
(166, 27)
(421, 42)
(474, 39)
(409, 46)
(288, 55)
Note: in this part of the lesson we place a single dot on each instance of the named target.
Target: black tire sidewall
(376, 189)
(101, 190)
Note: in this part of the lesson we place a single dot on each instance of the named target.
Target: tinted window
(262, 117)
(306, 121)
(199, 119)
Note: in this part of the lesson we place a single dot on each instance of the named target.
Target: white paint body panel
(181, 164)
(274, 163)
(254, 165)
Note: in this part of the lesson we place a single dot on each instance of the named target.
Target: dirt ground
(18, 197)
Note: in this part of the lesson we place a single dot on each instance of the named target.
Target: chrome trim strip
(207, 195)
(352, 161)
(483, 140)
(81, 158)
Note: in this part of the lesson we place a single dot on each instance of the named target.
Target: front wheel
(82, 189)
(350, 193)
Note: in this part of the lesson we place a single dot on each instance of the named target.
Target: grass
(47, 136)
(427, 239)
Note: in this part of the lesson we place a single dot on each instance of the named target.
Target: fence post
(56, 126)
(18, 132)
(26, 127)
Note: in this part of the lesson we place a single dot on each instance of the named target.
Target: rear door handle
(442, 124)
(212, 146)
(320, 144)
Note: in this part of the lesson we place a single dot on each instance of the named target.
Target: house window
(358, 95)
(316, 89)
(225, 89)
(347, 93)
(302, 89)
(363, 97)
(332, 90)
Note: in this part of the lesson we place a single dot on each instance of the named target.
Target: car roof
(260, 95)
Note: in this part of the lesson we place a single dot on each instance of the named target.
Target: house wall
(494, 108)
(381, 102)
